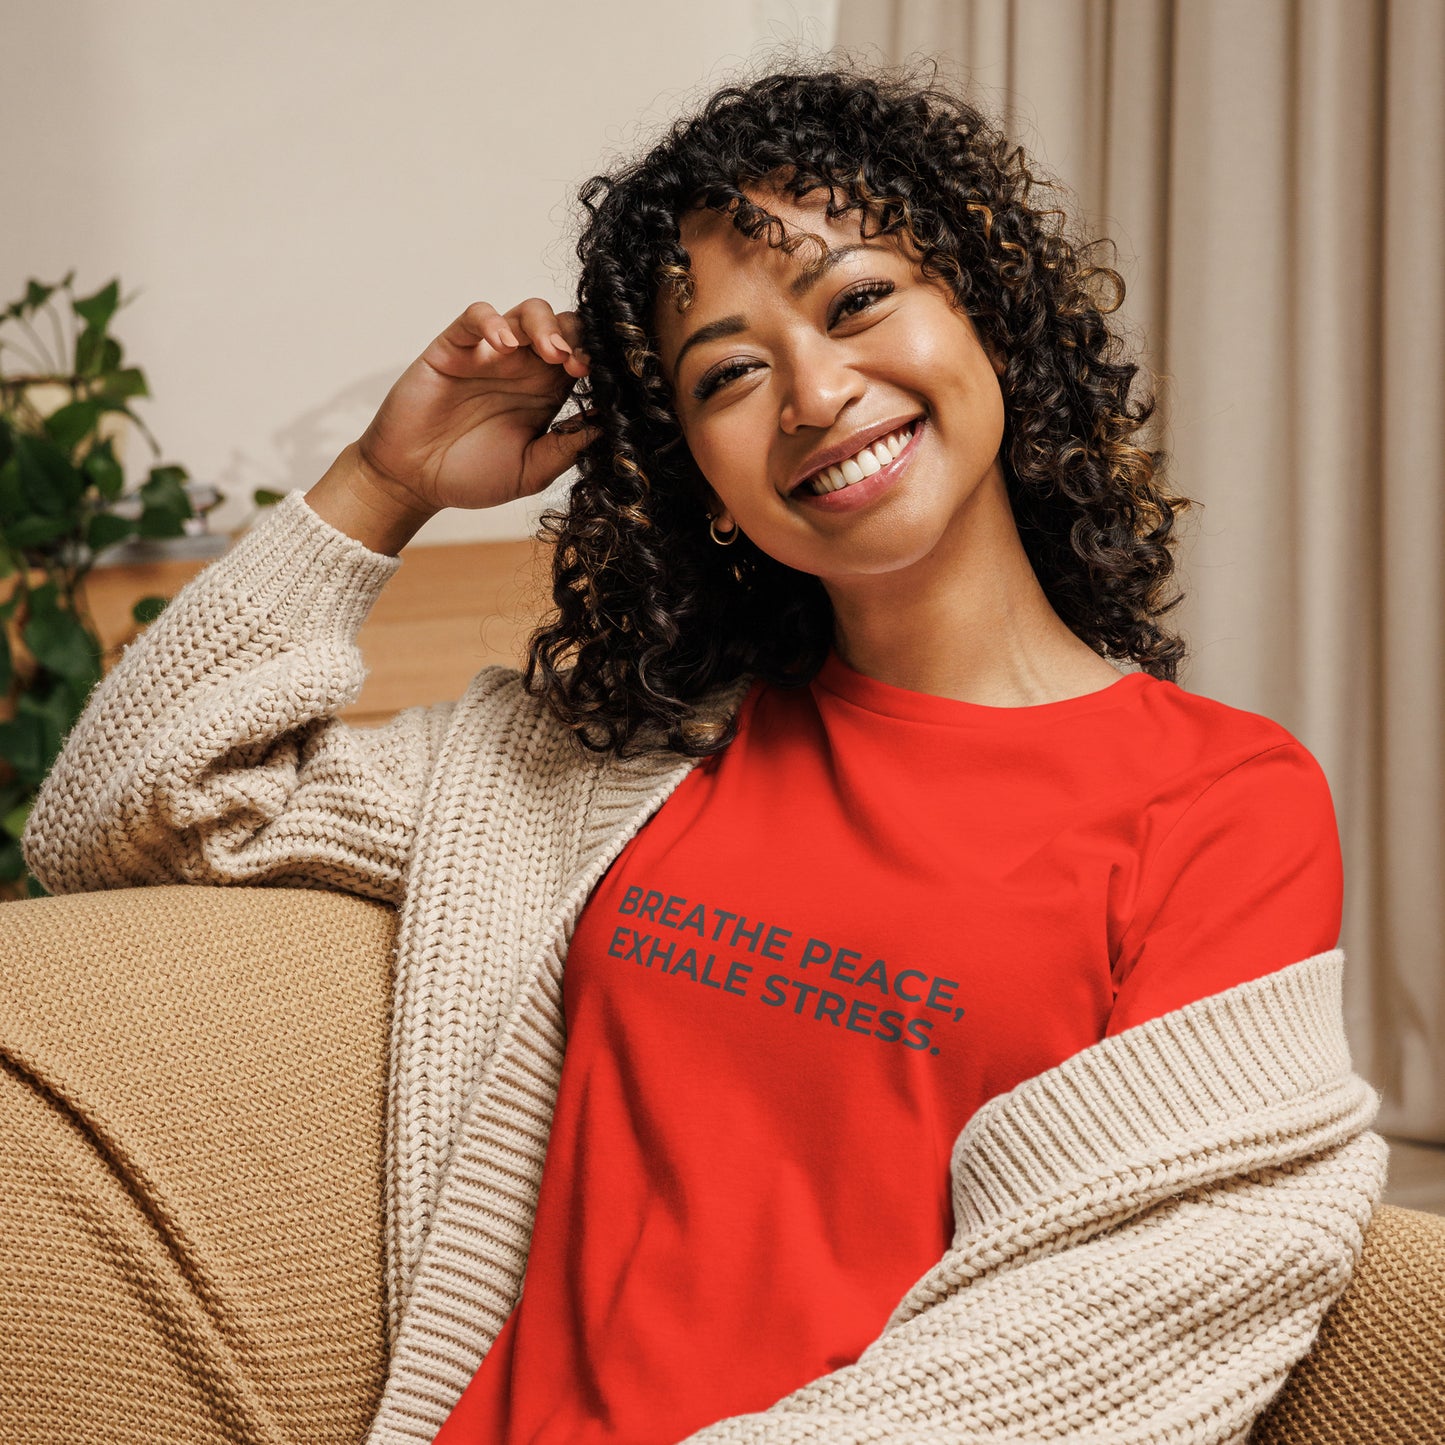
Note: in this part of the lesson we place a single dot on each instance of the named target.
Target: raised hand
(469, 422)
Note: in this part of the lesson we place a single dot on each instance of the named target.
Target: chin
(879, 560)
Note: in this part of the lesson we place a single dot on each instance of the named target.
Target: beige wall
(301, 196)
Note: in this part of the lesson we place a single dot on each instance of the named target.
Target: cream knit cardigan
(1148, 1235)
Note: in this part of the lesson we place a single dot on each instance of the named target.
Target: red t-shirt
(873, 912)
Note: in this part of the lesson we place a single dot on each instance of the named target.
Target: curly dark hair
(649, 614)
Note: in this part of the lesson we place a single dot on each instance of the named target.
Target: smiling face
(769, 373)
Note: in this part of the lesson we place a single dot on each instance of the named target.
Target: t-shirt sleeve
(1249, 880)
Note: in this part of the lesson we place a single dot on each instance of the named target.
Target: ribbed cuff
(1259, 1045)
(322, 579)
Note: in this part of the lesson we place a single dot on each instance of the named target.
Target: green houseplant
(64, 402)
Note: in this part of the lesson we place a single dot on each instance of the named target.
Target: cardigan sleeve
(210, 752)
(1149, 1237)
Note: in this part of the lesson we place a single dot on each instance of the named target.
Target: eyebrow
(731, 325)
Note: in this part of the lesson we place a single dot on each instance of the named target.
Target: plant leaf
(102, 468)
(12, 494)
(148, 609)
(68, 425)
(14, 821)
(55, 712)
(22, 745)
(44, 596)
(51, 484)
(165, 482)
(59, 641)
(130, 381)
(7, 666)
(35, 530)
(36, 295)
(11, 795)
(97, 310)
(161, 522)
(105, 529)
(167, 506)
(70, 699)
(89, 352)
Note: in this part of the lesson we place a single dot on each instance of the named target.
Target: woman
(951, 1025)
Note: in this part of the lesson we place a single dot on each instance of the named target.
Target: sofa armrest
(192, 1111)
(1376, 1371)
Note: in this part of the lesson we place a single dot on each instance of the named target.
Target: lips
(861, 495)
(849, 447)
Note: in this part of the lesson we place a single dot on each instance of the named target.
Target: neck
(969, 620)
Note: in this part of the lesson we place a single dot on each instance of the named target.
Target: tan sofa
(191, 1130)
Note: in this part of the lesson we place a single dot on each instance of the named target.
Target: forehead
(715, 245)
(725, 264)
(706, 230)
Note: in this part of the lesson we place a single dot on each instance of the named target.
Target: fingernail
(508, 337)
(557, 341)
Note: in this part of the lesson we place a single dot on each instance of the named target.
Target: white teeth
(871, 459)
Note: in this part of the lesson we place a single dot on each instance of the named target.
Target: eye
(719, 376)
(867, 293)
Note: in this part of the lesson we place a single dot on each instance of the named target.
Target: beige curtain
(1273, 172)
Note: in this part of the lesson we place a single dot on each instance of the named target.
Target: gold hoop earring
(727, 538)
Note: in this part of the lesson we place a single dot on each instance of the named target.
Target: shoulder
(1207, 749)
(1223, 772)
(1207, 721)
(1240, 868)
(497, 696)
(498, 711)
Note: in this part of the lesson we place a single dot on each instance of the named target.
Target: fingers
(570, 325)
(482, 332)
(555, 337)
(580, 421)
(480, 322)
(553, 452)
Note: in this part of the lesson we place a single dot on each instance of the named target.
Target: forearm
(210, 752)
(1180, 1326)
(354, 500)
(1148, 1237)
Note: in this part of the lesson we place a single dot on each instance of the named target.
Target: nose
(820, 382)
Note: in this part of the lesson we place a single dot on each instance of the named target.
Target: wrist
(360, 501)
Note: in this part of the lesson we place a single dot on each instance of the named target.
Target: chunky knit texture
(1148, 1235)
(191, 1089)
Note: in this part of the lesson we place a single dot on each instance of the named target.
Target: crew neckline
(837, 677)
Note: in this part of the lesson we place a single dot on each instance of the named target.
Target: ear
(717, 511)
(716, 516)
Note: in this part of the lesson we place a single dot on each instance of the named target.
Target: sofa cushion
(191, 1144)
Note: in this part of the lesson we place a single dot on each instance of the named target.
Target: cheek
(728, 458)
(949, 351)
(965, 384)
